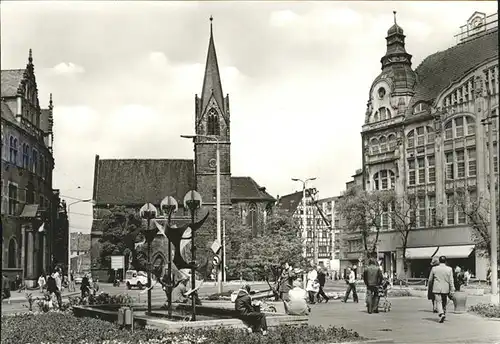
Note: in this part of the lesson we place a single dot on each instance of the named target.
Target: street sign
(117, 262)
(216, 246)
(216, 261)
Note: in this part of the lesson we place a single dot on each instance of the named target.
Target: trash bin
(128, 316)
(121, 316)
(460, 301)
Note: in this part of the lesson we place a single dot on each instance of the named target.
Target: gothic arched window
(26, 156)
(13, 149)
(213, 127)
(384, 180)
(12, 253)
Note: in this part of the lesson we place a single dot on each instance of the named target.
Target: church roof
(290, 202)
(212, 84)
(10, 80)
(133, 182)
(7, 113)
(245, 188)
(439, 70)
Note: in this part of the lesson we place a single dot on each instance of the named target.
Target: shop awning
(462, 251)
(29, 210)
(420, 252)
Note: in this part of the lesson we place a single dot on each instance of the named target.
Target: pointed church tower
(212, 119)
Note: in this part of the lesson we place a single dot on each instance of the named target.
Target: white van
(135, 278)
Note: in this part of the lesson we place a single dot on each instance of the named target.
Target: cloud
(69, 68)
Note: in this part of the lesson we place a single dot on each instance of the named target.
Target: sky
(124, 75)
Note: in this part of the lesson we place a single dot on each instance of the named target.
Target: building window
(450, 175)
(391, 141)
(431, 199)
(12, 254)
(374, 145)
(450, 209)
(34, 161)
(420, 136)
(383, 144)
(448, 130)
(459, 155)
(421, 211)
(30, 194)
(42, 166)
(411, 139)
(461, 212)
(384, 223)
(471, 126)
(384, 113)
(214, 194)
(495, 158)
(431, 136)
(421, 170)
(384, 180)
(471, 159)
(12, 199)
(26, 156)
(431, 171)
(13, 150)
(213, 127)
(411, 172)
(459, 127)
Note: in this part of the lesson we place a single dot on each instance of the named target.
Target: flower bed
(487, 310)
(64, 328)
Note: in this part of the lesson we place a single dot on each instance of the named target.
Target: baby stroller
(384, 304)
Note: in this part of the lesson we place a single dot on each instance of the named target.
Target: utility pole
(488, 121)
(315, 238)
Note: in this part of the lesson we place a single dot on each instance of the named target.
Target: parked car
(78, 279)
(135, 278)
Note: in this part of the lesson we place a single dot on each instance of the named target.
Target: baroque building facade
(27, 163)
(423, 137)
(133, 182)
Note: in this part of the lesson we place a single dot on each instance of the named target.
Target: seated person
(297, 304)
(180, 294)
(243, 305)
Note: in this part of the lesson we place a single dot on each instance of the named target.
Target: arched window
(13, 150)
(374, 145)
(12, 258)
(34, 161)
(213, 127)
(459, 127)
(410, 139)
(391, 141)
(384, 180)
(26, 156)
(252, 217)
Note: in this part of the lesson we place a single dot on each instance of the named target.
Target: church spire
(212, 85)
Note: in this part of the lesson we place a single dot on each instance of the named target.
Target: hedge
(64, 328)
(487, 310)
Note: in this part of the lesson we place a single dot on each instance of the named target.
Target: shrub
(226, 295)
(487, 310)
(57, 327)
(398, 292)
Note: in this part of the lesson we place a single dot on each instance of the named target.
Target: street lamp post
(69, 228)
(148, 212)
(488, 121)
(218, 200)
(193, 202)
(169, 206)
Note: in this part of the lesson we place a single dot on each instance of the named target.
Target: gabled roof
(212, 84)
(290, 202)
(245, 188)
(439, 70)
(7, 113)
(10, 81)
(131, 182)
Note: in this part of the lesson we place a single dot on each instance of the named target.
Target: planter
(460, 301)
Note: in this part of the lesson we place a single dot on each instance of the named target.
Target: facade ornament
(478, 87)
(437, 123)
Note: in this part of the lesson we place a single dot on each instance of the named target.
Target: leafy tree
(116, 224)
(477, 213)
(261, 256)
(362, 212)
(404, 220)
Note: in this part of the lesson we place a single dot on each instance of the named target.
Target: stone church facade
(133, 182)
(423, 137)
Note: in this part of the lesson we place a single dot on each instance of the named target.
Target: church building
(133, 182)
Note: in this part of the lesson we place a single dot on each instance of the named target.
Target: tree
(477, 213)
(116, 224)
(404, 220)
(365, 214)
(262, 256)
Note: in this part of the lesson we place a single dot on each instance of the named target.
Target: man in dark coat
(373, 278)
(322, 281)
(243, 305)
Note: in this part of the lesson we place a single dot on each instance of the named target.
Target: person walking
(441, 277)
(372, 276)
(322, 281)
(58, 292)
(430, 294)
(85, 287)
(72, 286)
(285, 282)
(42, 282)
(350, 279)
